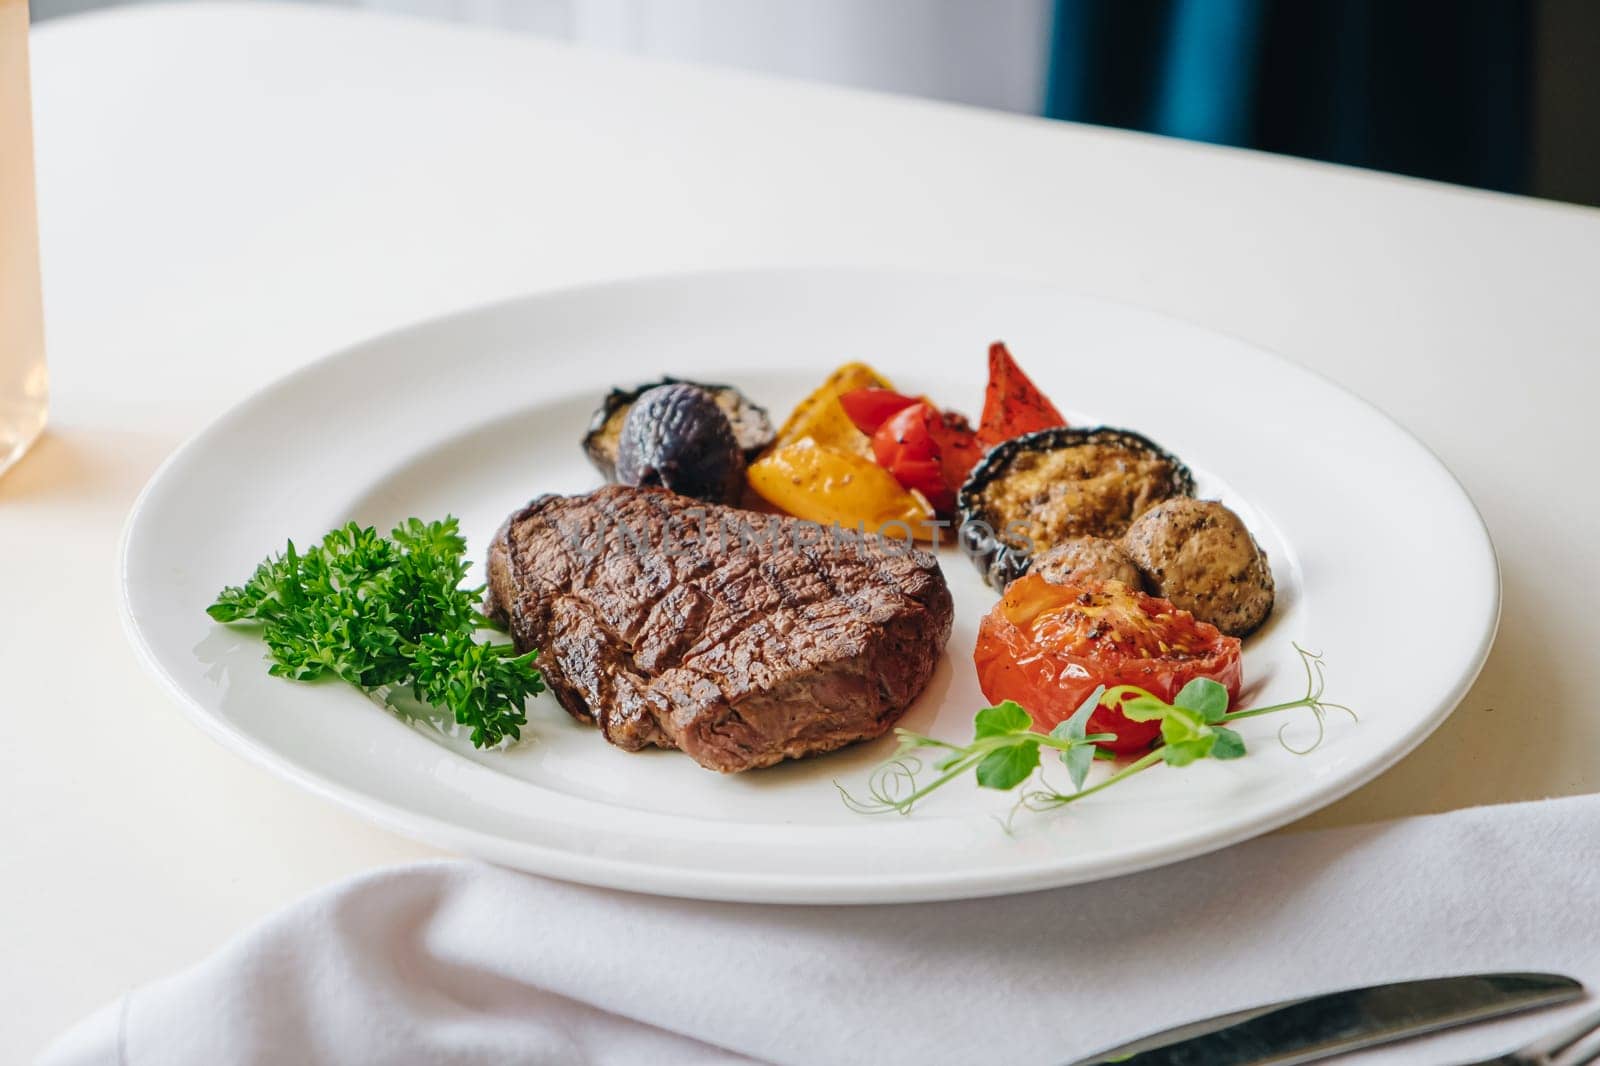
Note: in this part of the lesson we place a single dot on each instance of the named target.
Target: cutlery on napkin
(466, 963)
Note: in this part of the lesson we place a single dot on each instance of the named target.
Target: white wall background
(991, 53)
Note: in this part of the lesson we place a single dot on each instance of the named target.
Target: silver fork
(1566, 1046)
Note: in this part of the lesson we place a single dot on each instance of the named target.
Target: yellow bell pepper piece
(826, 485)
(820, 417)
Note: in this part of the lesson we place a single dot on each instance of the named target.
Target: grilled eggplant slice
(752, 429)
(1033, 492)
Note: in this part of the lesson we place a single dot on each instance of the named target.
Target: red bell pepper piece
(1012, 404)
(870, 408)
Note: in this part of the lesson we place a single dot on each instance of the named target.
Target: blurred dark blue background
(1501, 94)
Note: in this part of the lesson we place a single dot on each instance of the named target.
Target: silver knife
(1305, 1030)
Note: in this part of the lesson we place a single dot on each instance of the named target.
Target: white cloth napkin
(465, 963)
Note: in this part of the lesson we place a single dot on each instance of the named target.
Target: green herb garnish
(388, 614)
(1006, 753)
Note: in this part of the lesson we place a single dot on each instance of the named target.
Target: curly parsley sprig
(387, 614)
(1006, 753)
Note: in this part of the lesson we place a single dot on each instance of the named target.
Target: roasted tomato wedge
(1049, 646)
(908, 434)
(958, 446)
(907, 445)
(1012, 404)
(871, 408)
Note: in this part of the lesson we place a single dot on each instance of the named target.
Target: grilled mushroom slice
(1039, 490)
(752, 429)
(1086, 559)
(1199, 555)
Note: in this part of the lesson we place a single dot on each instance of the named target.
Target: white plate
(1382, 564)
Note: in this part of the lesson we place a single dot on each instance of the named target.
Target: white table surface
(227, 192)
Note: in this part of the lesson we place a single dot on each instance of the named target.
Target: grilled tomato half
(1049, 646)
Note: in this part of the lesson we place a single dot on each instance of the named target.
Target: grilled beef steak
(740, 638)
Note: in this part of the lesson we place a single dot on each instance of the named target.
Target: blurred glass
(23, 380)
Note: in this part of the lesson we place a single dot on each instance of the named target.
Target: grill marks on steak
(657, 620)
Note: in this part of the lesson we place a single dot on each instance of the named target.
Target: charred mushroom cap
(1081, 559)
(752, 429)
(1041, 489)
(677, 437)
(1199, 555)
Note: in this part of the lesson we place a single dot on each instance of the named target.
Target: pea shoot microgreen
(388, 615)
(1006, 753)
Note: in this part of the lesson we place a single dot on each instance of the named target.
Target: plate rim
(750, 886)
